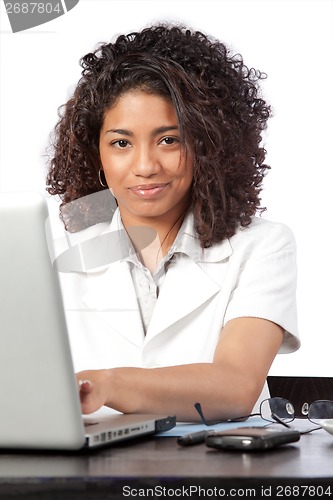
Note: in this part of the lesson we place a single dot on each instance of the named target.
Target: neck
(153, 242)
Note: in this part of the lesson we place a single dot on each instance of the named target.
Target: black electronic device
(251, 438)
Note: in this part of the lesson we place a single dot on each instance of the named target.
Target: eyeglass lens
(316, 411)
(320, 410)
(278, 406)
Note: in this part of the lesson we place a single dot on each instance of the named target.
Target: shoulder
(260, 236)
(263, 233)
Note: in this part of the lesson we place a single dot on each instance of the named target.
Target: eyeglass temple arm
(197, 406)
(280, 421)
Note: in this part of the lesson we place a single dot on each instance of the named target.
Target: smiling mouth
(148, 190)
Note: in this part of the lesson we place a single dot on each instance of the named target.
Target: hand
(93, 389)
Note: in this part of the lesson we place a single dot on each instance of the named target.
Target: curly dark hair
(221, 117)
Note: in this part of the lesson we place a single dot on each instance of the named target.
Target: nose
(145, 162)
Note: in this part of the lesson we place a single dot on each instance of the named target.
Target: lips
(148, 190)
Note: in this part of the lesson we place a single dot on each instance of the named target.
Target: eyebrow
(156, 131)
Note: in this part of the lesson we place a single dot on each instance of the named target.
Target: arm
(227, 387)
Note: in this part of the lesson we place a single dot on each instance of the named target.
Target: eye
(169, 140)
(120, 143)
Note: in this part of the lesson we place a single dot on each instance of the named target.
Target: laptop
(39, 404)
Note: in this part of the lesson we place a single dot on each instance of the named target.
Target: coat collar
(188, 242)
(95, 248)
(111, 295)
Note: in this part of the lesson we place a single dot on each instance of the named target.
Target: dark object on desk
(301, 391)
(191, 439)
(251, 438)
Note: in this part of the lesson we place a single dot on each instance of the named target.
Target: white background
(290, 40)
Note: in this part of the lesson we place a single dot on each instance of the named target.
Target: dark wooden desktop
(156, 467)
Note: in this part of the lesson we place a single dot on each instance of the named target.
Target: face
(143, 159)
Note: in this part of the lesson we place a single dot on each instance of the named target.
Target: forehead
(138, 103)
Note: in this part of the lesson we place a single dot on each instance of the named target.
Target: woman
(196, 311)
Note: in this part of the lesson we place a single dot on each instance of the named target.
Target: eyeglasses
(281, 410)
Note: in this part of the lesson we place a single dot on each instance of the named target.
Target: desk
(144, 467)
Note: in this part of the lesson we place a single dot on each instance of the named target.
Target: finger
(85, 386)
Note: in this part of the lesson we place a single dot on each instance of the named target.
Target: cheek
(188, 172)
(182, 168)
(116, 176)
(104, 155)
(108, 164)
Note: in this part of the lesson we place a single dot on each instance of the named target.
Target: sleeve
(266, 284)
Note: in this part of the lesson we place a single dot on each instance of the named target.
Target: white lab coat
(251, 274)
